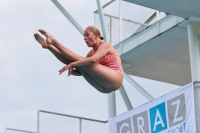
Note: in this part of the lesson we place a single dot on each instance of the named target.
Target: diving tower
(166, 51)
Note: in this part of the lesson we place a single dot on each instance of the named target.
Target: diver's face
(89, 37)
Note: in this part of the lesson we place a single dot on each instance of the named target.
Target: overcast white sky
(29, 78)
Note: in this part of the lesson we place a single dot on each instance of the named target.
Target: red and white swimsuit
(111, 61)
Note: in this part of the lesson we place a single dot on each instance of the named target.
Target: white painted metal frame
(194, 50)
(120, 20)
(17, 130)
(157, 15)
(128, 20)
(65, 115)
(101, 16)
(193, 37)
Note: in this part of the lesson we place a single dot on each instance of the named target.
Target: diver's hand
(68, 67)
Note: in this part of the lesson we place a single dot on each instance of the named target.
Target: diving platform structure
(166, 51)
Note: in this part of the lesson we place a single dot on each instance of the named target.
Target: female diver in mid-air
(101, 67)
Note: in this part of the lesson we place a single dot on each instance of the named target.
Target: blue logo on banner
(158, 118)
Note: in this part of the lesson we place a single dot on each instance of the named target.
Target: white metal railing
(128, 20)
(51, 122)
(11, 130)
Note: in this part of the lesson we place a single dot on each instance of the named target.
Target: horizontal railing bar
(19, 130)
(73, 116)
(112, 16)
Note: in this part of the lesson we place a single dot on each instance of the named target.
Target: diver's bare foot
(41, 40)
(49, 37)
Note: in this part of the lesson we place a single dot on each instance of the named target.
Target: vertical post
(197, 105)
(101, 19)
(125, 98)
(120, 24)
(194, 51)
(111, 105)
(111, 96)
(80, 126)
(38, 121)
(157, 15)
(110, 29)
(120, 20)
(195, 65)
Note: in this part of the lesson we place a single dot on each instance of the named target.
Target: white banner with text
(171, 113)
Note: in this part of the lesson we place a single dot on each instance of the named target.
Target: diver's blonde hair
(95, 30)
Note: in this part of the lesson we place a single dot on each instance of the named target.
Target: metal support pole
(138, 87)
(38, 113)
(111, 30)
(125, 98)
(127, 20)
(68, 16)
(197, 105)
(194, 51)
(111, 96)
(120, 20)
(101, 19)
(111, 105)
(195, 63)
(157, 15)
(17, 130)
(80, 126)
